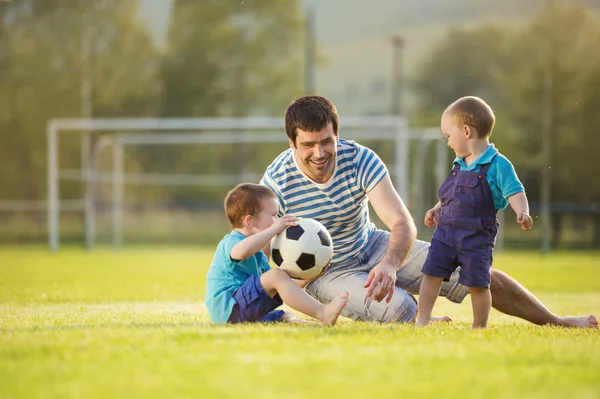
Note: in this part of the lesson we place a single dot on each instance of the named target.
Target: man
(332, 180)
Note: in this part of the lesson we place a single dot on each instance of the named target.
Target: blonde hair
(474, 112)
(244, 199)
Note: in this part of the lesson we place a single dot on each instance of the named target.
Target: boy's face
(456, 134)
(315, 153)
(267, 215)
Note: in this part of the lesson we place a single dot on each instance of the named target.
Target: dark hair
(311, 114)
(244, 199)
(474, 112)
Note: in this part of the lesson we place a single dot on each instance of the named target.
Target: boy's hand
(525, 221)
(283, 222)
(431, 217)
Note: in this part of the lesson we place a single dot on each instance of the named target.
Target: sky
(156, 13)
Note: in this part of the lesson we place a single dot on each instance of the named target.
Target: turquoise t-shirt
(226, 275)
(501, 175)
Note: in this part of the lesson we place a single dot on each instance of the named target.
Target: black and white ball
(303, 251)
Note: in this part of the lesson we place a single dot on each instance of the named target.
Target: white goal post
(199, 131)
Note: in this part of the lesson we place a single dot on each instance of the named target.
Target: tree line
(225, 58)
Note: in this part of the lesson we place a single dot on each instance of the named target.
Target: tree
(507, 67)
(465, 62)
(226, 59)
(41, 45)
(572, 34)
(232, 59)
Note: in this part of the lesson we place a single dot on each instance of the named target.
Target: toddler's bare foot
(334, 308)
(434, 319)
(441, 319)
(421, 322)
(291, 318)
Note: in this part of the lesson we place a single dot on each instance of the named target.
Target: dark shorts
(253, 304)
(471, 249)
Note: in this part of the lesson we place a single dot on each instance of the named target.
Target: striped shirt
(341, 204)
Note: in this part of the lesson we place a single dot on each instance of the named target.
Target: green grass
(132, 324)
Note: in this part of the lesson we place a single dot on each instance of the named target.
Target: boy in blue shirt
(482, 182)
(241, 286)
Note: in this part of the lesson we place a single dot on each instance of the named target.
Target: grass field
(133, 324)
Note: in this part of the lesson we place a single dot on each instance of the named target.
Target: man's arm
(393, 213)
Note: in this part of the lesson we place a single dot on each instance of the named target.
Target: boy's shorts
(253, 304)
(471, 250)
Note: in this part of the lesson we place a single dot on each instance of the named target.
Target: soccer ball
(303, 251)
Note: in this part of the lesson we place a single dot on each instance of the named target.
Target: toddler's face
(454, 132)
(267, 215)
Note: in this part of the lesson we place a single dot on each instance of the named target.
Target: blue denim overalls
(466, 229)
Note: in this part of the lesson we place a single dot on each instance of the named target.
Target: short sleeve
(370, 169)
(268, 181)
(507, 179)
(228, 246)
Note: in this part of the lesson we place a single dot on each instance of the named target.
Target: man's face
(315, 153)
(456, 135)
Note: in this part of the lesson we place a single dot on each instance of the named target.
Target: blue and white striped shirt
(341, 204)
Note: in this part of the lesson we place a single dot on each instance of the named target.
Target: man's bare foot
(579, 321)
(441, 319)
(334, 308)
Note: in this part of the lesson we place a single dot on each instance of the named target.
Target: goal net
(162, 181)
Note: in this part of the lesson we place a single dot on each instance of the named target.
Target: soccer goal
(121, 154)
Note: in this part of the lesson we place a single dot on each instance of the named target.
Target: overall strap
(485, 167)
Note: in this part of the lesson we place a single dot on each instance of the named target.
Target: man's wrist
(390, 264)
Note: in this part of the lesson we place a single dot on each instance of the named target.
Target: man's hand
(431, 217)
(525, 221)
(384, 275)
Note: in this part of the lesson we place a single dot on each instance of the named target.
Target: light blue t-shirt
(226, 275)
(501, 175)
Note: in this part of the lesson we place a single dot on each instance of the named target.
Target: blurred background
(537, 63)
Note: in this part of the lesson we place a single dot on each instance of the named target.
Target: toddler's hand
(285, 221)
(431, 217)
(525, 221)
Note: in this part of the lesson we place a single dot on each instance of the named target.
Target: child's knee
(272, 276)
(478, 290)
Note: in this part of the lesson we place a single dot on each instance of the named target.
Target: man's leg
(401, 309)
(352, 276)
(511, 298)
